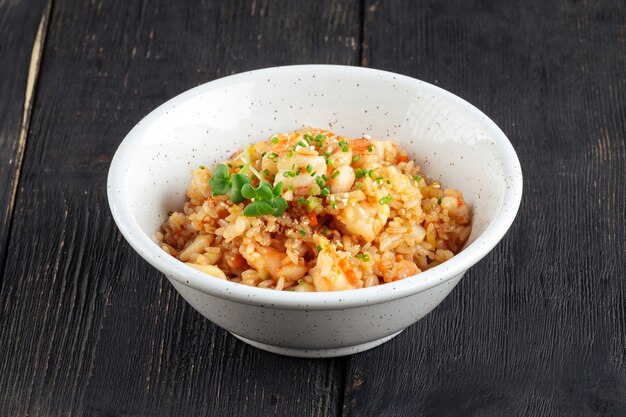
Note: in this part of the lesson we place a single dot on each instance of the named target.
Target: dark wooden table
(87, 328)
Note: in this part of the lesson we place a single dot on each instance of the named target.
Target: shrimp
(364, 219)
(372, 152)
(278, 145)
(396, 269)
(342, 179)
(454, 203)
(299, 171)
(333, 272)
(341, 157)
(342, 176)
(274, 262)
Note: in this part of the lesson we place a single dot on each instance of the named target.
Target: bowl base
(318, 353)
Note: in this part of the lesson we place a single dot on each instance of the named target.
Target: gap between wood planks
(29, 99)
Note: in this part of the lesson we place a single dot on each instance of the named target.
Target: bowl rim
(227, 290)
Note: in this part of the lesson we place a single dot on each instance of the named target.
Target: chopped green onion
(266, 172)
(363, 256)
(290, 154)
(201, 166)
(370, 149)
(275, 140)
(300, 281)
(355, 158)
(325, 191)
(273, 155)
(302, 232)
(300, 200)
(333, 204)
(335, 174)
(326, 154)
(439, 201)
(318, 248)
(309, 168)
(308, 137)
(359, 185)
(169, 213)
(324, 177)
(385, 200)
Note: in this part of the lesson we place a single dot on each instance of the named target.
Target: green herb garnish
(265, 198)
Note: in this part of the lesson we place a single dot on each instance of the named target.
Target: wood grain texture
(538, 327)
(88, 328)
(22, 35)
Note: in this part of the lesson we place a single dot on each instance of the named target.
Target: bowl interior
(449, 138)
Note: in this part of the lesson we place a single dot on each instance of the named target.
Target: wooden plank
(538, 327)
(88, 328)
(22, 35)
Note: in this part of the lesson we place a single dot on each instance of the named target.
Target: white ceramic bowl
(450, 138)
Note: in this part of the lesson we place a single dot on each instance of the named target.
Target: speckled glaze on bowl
(450, 138)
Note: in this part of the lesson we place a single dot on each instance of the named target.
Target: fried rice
(312, 211)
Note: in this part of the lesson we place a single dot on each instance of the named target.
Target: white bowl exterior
(316, 329)
(452, 140)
